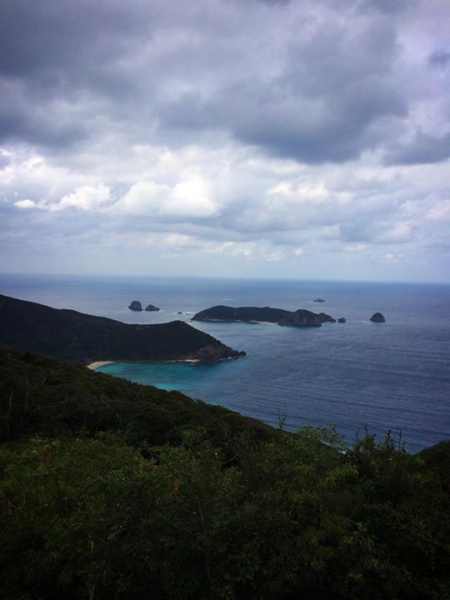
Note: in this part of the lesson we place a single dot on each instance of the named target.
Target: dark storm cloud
(5, 160)
(331, 128)
(270, 2)
(424, 149)
(166, 73)
(143, 64)
(440, 58)
(387, 6)
(25, 121)
(38, 36)
(322, 105)
(55, 55)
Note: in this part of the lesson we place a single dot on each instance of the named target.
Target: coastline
(99, 363)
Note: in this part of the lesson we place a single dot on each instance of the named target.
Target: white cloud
(178, 241)
(355, 248)
(86, 197)
(440, 212)
(25, 204)
(397, 233)
(242, 249)
(392, 257)
(190, 198)
(186, 199)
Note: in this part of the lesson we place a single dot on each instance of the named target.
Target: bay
(392, 376)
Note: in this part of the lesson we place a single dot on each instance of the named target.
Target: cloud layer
(283, 138)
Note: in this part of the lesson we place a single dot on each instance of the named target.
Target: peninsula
(252, 314)
(82, 338)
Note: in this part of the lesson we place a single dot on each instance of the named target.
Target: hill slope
(85, 338)
(227, 508)
(47, 396)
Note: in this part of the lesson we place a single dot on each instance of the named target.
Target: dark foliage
(251, 314)
(85, 338)
(110, 490)
(50, 397)
(437, 458)
(245, 313)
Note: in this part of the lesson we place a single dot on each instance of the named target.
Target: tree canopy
(113, 490)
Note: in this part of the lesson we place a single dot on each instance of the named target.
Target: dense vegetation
(110, 490)
(252, 314)
(243, 313)
(85, 338)
(48, 397)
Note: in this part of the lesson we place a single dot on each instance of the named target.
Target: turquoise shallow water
(180, 377)
(391, 376)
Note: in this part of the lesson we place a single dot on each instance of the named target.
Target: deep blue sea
(392, 376)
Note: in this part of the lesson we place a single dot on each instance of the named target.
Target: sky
(300, 139)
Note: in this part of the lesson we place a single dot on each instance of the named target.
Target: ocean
(393, 376)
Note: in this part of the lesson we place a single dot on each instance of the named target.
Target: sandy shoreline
(99, 363)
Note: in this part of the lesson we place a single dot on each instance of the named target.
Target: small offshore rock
(136, 306)
(342, 320)
(318, 300)
(377, 318)
(152, 308)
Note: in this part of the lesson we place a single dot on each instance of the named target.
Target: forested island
(254, 314)
(85, 338)
(110, 489)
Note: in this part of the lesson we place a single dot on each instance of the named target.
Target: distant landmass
(252, 314)
(85, 338)
(378, 318)
(152, 308)
(136, 306)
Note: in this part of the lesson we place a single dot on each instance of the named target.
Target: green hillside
(112, 490)
(49, 397)
(85, 338)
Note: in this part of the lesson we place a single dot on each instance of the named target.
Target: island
(377, 318)
(84, 339)
(136, 306)
(253, 314)
(152, 308)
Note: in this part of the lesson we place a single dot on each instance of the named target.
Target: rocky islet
(136, 306)
(378, 318)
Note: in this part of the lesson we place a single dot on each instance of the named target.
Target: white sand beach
(99, 363)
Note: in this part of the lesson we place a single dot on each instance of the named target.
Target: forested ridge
(110, 489)
(82, 338)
